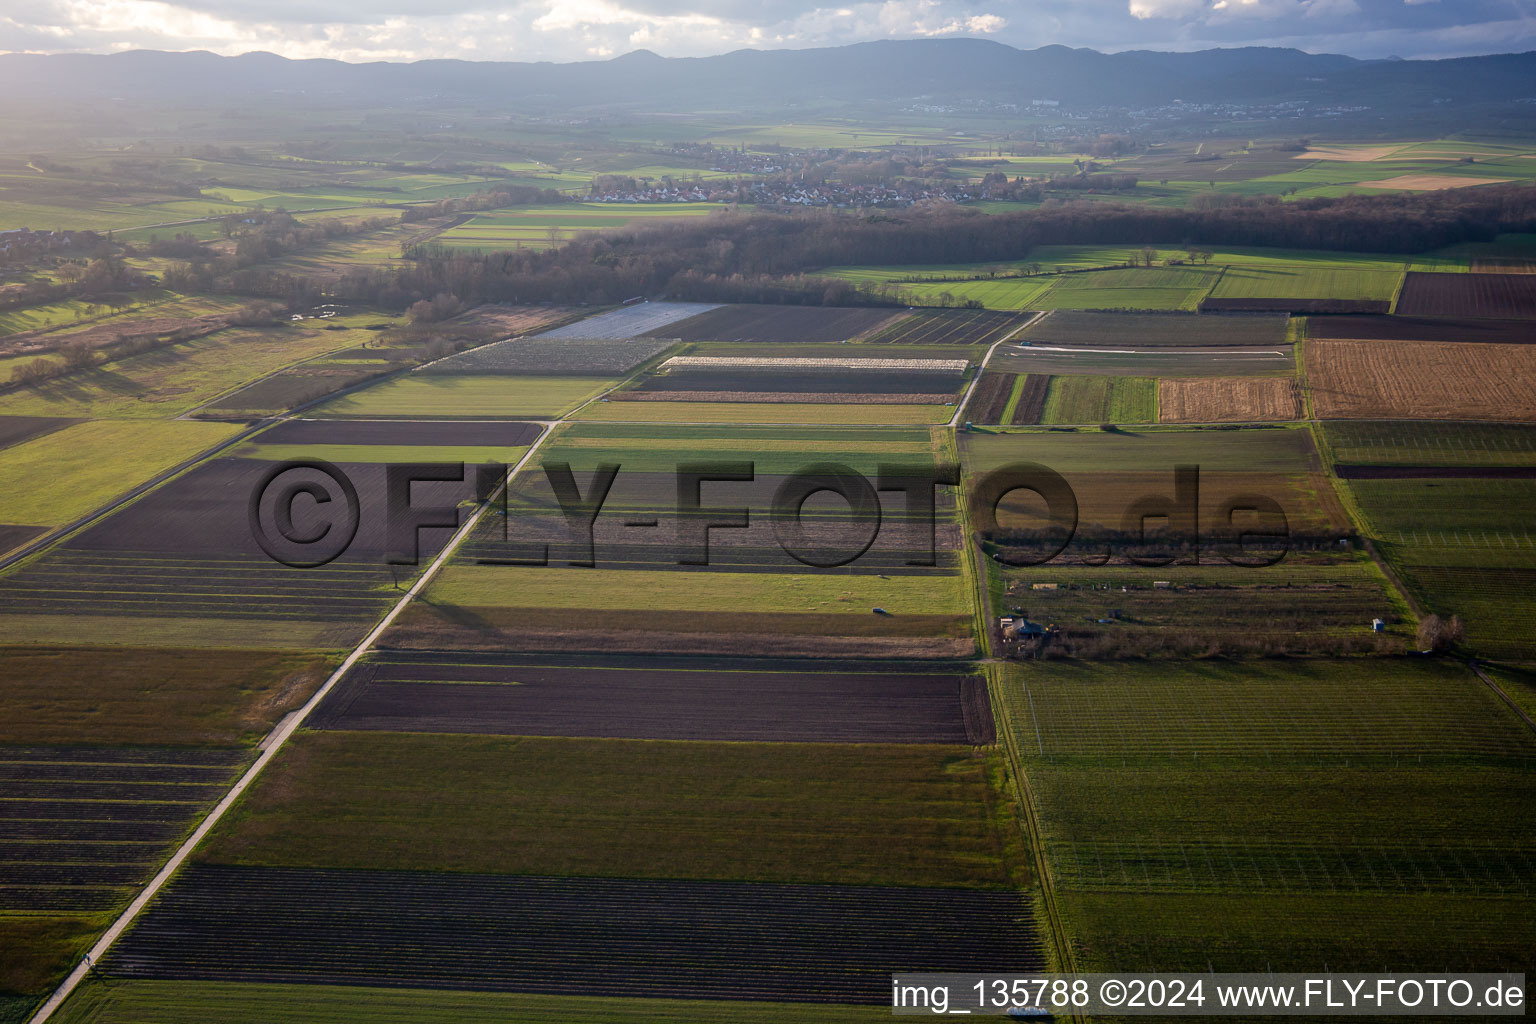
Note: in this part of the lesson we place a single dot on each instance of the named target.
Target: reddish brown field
(1299, 306)
(990, 398)
(1490, 295)
(1227, 400)
(1031, 405)
(1422, 380)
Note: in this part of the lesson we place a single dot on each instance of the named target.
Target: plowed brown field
(1227, 400)
(1422, 380)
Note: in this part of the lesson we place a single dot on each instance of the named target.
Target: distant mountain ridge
(929, 70)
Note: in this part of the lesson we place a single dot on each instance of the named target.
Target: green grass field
(169, 381)
(147, 696)
(386, 453)
(1376, 793)
(1087, 399)
(55, 478)
(196, 1002)
(537, 227)
(1282, 282)
(780, 812)
(599, 589)
(482, 397)
(1142, 288)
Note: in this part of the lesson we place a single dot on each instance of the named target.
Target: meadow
(468, 397)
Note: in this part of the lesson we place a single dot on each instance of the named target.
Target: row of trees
(734, 253)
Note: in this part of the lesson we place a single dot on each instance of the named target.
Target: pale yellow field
(1429, 182)
(1350, 155)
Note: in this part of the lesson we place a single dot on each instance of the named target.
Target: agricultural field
(826, 943)
(1463, 546)
(541, 227)
(779, 380)
(1227, 400)
(121, 1001)
(1469, 295)
(1123, 360)
(554, 357)
(1404, 328)
(630, 321)
(1314, 282)
(177, 378)
(1141, 288)
(778, 324)
(472, 396)
(1440, 445)
(517, 696)
(665, 412)
(783, 813)
(1157, 330)
(1381, 795)
(1108, 471)
(1421, 380)
(52, 479)
(989, 402)
(949, 327)
(1088, 399)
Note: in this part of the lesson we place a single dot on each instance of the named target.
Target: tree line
(731, 256)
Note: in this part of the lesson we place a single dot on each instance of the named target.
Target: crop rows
(575, 936)
(631, 321)
(1030, 407)
(771, 324)
(80, 827)
(949, 327)
(1422, 380)
(555, 356)
(1147, 330)
(990, 399)
(515, 699)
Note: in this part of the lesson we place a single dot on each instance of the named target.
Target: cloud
(587, 29)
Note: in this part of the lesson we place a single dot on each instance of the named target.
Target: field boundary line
(1500, 693)
(275, 742)
(981, 367)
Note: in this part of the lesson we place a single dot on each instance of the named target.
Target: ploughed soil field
(770, 324)
(1401, 472)
(16, 429)
(1422, 380)
(561, 357)
(82, 827)
(990, 399)
(469, 694)
(631, 321)
(577, 936)
(1410, 328)
(1300, 307)
(950, 327)
(1145, 330)
(1228, 399)
(1468, 295)
(188, 550)
(507, 433)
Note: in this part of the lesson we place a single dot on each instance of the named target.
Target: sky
(566, 30)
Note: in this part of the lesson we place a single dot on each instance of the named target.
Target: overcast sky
(358, 30)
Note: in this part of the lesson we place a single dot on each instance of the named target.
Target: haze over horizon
(571, 30)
